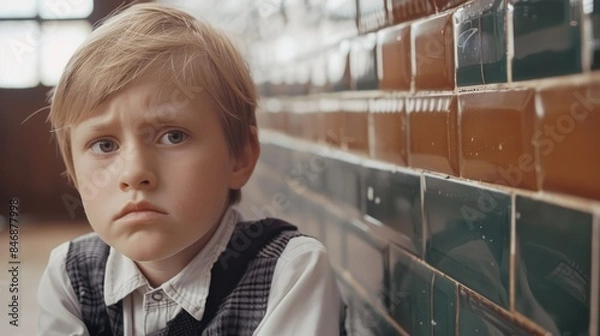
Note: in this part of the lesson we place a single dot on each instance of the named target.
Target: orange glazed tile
(434, 53)
(388, 134)
(297, 118)
(310, 130)
(331, 133)
(372, 15)
(568, 139)
(331, 121)
(406, 10)
(311, 120)
(354, 133)
(279, 121)
(394, 52)
(294, 123)
(496, 132)
(433, 136)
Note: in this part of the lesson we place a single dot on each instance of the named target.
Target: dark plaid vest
(239, 287)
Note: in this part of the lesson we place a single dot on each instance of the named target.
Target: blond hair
(152, 39)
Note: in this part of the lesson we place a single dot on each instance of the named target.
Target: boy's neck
(160, 271)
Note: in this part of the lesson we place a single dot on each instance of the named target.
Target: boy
(154, 117)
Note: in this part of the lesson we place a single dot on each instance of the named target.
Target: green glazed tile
(369, 321)
(307, 171)
(553, 265)
(276, 157)
(444, 306)
(595, 18)
(315, 217)
(348, 298)
(481, 43)
(493, 43)
(410, 292)
(361, 317)
(366, 260)
(300, 205)
(468, 48)
(394, 199)
(343, 182)
(547, 38)
(267, 154)
(334, 240)
(468, 235)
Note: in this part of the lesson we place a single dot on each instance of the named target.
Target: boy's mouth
(139, 209)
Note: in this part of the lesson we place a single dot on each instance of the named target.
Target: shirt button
(157, 296)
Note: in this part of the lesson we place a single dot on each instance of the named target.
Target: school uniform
(252, 278)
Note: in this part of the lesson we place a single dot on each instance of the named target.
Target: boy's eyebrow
(153, 118)
(164, 117)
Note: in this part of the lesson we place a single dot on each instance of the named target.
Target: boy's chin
(144, 255)
(147, 251)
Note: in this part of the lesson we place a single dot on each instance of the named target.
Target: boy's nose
(136, 173)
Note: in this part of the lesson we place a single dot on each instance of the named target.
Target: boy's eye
(173, 137)
(104, 146)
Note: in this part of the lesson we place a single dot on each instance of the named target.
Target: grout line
(510, 39)
(457, 315)
(455, 30)
(595, 277)
(459, 144)
(407, 129)
(424, 221)
(371, 136)
(535, 328)
(413, 59)
(537, 126)
(513, 247)
(586, 35)
(432, 301)
(379, 56)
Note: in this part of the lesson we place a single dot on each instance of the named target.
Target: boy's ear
(244, 164)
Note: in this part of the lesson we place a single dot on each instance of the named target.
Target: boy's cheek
(92, 182)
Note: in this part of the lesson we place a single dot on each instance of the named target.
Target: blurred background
(446, 152)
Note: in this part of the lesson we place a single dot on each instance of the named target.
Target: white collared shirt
(304, 298)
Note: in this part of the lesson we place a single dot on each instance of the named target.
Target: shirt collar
(189, 288)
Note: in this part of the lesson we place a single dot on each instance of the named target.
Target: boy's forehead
(153, 96)
(155, 92)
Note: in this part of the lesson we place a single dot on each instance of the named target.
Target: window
(37, 38)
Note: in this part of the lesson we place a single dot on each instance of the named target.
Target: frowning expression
(153, 168)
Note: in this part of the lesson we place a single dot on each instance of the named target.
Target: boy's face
(157, 147)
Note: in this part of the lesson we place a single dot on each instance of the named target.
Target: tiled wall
(447, 153)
